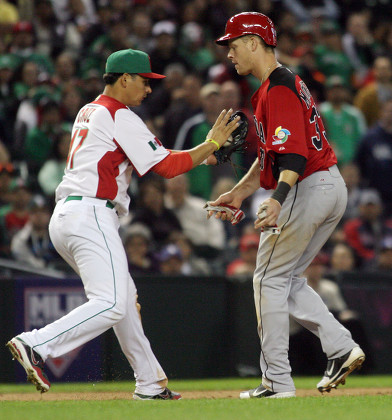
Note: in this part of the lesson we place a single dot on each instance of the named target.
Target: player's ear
(254, 42)
(124, 80)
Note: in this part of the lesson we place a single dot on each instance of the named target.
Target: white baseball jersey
(108, 132)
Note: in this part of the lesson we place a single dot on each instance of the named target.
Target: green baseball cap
(131, 61)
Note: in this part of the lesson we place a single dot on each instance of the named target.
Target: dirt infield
(188, 395)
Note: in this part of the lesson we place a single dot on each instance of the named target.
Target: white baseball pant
(85, 233)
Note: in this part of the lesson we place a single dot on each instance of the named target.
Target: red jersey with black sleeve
(287, 121)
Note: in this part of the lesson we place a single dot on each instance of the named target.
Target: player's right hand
(268, 213)
(227, 198)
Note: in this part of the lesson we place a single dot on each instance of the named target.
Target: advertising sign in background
(42, 301)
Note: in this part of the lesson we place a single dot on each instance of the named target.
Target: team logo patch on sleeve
(281, 135)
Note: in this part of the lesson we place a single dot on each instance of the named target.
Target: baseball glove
(236, 142)
(236, 214)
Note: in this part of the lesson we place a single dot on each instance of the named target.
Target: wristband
(281, 192)
(212, 141)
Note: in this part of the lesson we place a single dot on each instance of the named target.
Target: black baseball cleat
(32, 363)
(338, 369)
(166, 394)
(262, 392)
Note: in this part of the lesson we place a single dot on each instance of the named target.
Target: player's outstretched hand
(222, 128)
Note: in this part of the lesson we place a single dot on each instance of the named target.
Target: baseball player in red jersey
(309, 198)
(109, 143)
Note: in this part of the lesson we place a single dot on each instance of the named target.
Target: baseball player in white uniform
(109, 143)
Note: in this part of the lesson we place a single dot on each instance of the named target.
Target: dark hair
(111, 78)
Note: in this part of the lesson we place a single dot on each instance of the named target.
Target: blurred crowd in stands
(52, 57)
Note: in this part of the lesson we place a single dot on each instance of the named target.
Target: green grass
(377, 407)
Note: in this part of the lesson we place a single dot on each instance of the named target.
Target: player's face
(138, 88)
(239, 54)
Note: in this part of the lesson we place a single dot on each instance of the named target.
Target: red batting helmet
(249, 23)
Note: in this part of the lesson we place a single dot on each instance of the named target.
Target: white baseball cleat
(338, 369)
(262, 392)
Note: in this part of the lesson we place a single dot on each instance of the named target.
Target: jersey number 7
(81, 134)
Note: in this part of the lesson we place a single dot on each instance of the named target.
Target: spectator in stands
(185, 103)
(345, 124)
(140, 36)
(193, 49)
(49, 32)
(71, 102)
(194, 130)
(192, 265)
(342, 259)
(370, 98)
(374, 156)
(161, 97)
(352, 177)
(245, 265)
(17, 215)
(23, 47)
(52, 171)
(308, 71)
(137, 243)
(366, 232)
(152, 212)
(82, 12)
(383, 259)
(165, 51)
(8, 102)
(286, 48)
(104, 15)
(31, 245)
(116, 37)
(206, 235)
(359, 45)
(170, 260)
(28, 80)
(29, 112)
(39, 141)
(65, 71)
(92, 84)
(328, 290)
(330, 57)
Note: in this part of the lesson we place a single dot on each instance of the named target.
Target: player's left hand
(223, 127)
(268, 213)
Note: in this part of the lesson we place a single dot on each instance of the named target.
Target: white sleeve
(142, 148)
